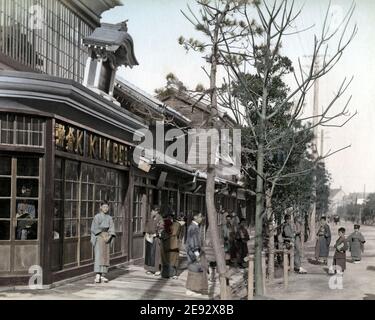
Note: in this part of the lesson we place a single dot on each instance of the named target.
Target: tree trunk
(218, 249)
(271, 239)
(258, 274)
(210, 183)
(313, 210)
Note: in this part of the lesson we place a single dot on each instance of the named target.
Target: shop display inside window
(21, 205)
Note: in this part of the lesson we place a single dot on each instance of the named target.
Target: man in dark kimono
(356, 243)
(102, 234)
(229, 236)
(242, 239)
(196, 283)
(339, 258)
(323, 241)
(153, 231)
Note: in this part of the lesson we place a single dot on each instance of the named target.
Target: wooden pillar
(264, 267)
(250, 277)
(291, 252)
(271, 264)
(48, 205)
(285, 267)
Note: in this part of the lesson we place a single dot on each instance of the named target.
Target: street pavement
(358, 280)
(131, 283)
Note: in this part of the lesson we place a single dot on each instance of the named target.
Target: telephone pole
(315, 152)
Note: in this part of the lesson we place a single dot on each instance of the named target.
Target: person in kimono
(26, 213)
(292, 236)
(323, 241)
(153, 232)
(172, 237)
(339, 258)
(356, 243)
(196, 283)
(229, 236)
(102, 234)
(242, 239)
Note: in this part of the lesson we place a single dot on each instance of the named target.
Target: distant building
(336, 199)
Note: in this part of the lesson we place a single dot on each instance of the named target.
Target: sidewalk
(359, 279)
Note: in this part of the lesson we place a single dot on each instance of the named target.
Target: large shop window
(19, 189)
(79, 188)
(21, 130)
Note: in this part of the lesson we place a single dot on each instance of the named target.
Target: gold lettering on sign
(59, 135)
(121, 154)
(79, 142)
(115, 153)
(70, 139)
(108, 151)
(126, 162)
(100, 149)
(92, 151)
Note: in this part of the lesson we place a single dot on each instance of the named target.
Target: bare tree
(216, 24)
(258, 50)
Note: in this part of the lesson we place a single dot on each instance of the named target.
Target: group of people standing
(236, 236)
(163, 237)
(354, 243)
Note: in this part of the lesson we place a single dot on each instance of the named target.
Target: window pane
(27, 229)
(27, 209)
(5, 189)
(4, 208)
(5, 165)
(56, 229)
(68, 228)
(84, 228)
(4, 230)
(28, 167)
(27, 188)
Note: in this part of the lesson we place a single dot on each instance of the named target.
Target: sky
(155, 26)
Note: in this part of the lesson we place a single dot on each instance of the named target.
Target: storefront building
(65, 146)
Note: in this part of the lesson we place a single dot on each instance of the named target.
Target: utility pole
(315, 152)
(362, 205)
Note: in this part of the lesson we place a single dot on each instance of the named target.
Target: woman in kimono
(102, 233)
(323, 241)
(356, 243)
(196, 283)
(339, 258)
(171, 246)
(153, 232)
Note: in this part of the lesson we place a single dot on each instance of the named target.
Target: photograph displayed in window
(27, 198)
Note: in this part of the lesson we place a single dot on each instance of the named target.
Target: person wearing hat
(356, 243)
(323, 240)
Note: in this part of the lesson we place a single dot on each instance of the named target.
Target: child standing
(339, 258)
